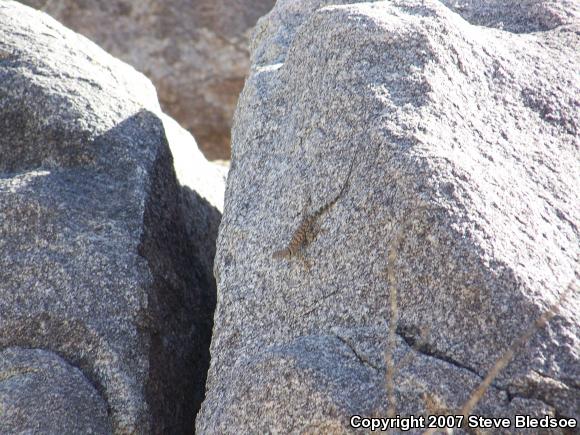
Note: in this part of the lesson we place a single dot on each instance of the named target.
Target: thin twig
(509, 354)
(393, 323)
(505, 359)
(390, 372)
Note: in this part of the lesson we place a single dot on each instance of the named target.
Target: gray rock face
(106, 248)
(41, 393)
(194, 51)
(462, 203)
(523, 16)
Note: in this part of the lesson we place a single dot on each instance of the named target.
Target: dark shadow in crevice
(180, 231)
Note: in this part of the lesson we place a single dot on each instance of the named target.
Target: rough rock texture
(105, 254)
(194, 51)
(36, 388)
(462, 203)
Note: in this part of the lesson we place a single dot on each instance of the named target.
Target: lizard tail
(282, 253)
(346, 182)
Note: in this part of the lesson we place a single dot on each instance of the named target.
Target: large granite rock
(106, 247)
(194, 51)
(36, 388)
(462, 203)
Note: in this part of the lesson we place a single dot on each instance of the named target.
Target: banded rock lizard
(306, 231)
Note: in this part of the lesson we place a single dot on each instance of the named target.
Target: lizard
(305, 232)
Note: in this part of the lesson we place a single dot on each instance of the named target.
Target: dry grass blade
(508, 355)
(505, 359)
(393, 321)
(394, 247)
